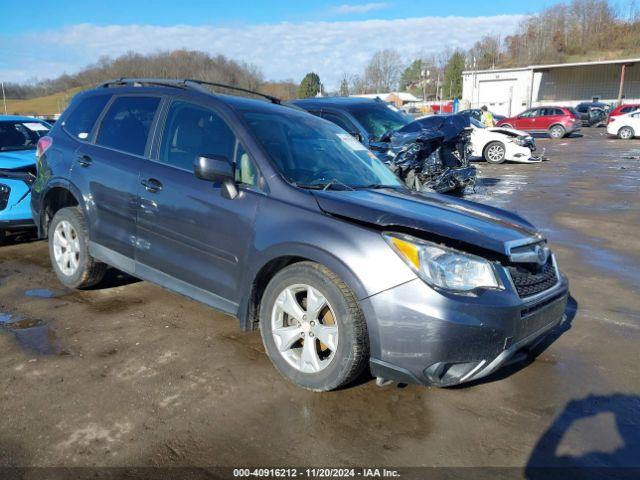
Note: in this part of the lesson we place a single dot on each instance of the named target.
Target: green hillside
(48, 105)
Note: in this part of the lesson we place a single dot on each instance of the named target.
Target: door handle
(84, 160)
(152, 185)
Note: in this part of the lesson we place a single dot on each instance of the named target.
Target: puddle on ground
(42, 293)
(32, 335)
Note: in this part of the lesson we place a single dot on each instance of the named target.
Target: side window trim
(149, 142)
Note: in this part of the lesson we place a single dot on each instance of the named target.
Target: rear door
(108, 171)
(190, 238)
(546, 117)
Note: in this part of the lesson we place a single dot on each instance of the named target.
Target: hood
(512, 132)
(459, 220)
(448, 126)
(17, 159)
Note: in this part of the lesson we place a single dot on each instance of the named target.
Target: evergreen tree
(309, 86)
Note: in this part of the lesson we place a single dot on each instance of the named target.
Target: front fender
(358, 255)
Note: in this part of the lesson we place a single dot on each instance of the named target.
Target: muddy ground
(132, 375)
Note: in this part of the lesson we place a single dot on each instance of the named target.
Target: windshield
(378, 118)
(476, 123)
(21, 135)
(314, 153)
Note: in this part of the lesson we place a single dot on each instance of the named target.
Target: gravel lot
(132, 375)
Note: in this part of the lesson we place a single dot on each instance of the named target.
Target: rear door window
(82, 119)
(127, 123)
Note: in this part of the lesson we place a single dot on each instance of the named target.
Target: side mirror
(217, 169)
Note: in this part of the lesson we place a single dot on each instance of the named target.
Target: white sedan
(625, 126)
(499, 144)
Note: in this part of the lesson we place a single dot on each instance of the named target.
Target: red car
(622, 109)
(556, 121)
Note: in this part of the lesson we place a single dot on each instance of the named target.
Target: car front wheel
(626, 133)
(69, 250)
(312, 327)
(494, 152)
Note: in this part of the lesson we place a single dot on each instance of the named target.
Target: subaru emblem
(542, 253)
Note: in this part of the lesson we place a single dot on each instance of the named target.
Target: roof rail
(138, 82)
(183, 83)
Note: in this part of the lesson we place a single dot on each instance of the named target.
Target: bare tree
(383, 71)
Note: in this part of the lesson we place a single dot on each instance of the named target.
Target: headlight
(522, 141)
(443, 267)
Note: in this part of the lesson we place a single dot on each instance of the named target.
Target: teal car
(19, 138)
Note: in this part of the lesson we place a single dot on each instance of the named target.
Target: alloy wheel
(557, 132)
(495, 153)
(66, 248)
(304, 328)
(625, 133)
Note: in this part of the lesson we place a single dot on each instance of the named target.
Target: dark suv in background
(285, 221)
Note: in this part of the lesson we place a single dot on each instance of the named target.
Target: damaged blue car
(19, 137)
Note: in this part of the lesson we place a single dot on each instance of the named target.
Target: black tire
(89, 272)
(494, 147)
(352, 351)
(557, 131)
(626, 133)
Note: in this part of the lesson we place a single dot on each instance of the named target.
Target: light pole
(4, 99)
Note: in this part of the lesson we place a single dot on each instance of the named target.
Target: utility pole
(621, 89)
(4, 99)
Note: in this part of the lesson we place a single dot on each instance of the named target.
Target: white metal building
(509, 91)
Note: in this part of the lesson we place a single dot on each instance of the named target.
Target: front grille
(530, 280)
(4, 196)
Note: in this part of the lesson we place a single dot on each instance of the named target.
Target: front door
(527, 120)
(191, 238)
(109, 169)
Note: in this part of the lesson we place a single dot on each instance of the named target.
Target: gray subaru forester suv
(285, 221)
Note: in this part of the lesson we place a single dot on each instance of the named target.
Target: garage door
(497, 95)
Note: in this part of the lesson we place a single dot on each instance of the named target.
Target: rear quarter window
(83, 117)
(127, 123)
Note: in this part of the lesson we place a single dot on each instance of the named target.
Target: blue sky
(283, 38)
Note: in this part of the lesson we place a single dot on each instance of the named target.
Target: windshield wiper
(334, 182)
(375, 186)
(16, 148)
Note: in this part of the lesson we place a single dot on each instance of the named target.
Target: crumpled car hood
(14, 160)
(509, 131)
(459, 220)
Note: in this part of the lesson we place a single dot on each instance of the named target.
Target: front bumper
(419, 335)
(15, 213)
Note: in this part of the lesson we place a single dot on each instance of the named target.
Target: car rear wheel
(69, 250)
(626, 133)
(506, 125)
(494, 152)
(557, 131)
(312, 327)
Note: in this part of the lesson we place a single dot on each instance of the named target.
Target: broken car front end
(431, 154)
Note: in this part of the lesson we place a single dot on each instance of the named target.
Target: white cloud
(281, 50)
(347, 8)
